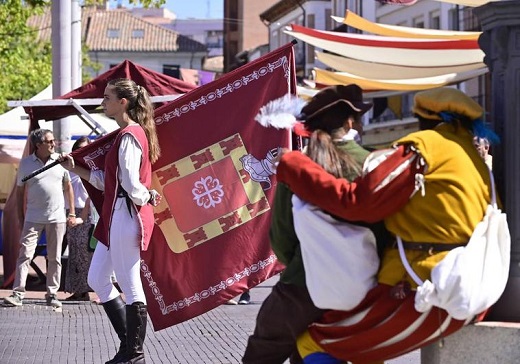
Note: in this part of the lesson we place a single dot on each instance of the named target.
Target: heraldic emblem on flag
(222, 171)
(216, 174)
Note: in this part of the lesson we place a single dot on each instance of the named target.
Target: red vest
(144, 213)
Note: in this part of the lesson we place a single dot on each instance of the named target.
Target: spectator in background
(245, 299)
(45, 211)
(78, 237)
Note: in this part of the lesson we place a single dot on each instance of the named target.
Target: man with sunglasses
(45, 211)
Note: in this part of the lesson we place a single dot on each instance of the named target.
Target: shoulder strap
(493, 193)
(407, 266)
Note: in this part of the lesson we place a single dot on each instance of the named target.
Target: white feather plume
(280, 113)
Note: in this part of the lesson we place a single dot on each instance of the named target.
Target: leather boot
(136, 318)
(116, 312)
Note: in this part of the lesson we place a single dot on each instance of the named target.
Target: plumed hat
(429, 104)
(330, 97)
(303, 117)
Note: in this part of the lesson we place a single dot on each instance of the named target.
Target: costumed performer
(431, 189)
(126, 218)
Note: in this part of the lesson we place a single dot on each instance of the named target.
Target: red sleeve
(361, 200)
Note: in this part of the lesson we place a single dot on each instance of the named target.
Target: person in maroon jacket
(126, 218)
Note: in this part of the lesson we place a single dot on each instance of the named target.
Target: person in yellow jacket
(431, 189)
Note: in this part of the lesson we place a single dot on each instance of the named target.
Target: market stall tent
(14, 128)
(157, 84)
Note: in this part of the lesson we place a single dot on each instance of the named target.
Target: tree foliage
(25, 63)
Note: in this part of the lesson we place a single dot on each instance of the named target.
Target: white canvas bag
(472, 278)
(340, 258)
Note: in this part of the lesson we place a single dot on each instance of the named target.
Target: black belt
(432, 247)
(122, 193)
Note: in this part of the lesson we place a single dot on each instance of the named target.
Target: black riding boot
(136, 318)
(116, 313)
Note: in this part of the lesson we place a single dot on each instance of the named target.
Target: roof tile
(96, 24)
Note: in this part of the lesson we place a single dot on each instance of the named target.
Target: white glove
(155, 198)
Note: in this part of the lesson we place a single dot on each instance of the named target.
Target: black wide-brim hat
(331, 97)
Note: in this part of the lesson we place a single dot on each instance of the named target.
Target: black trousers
(284, 315)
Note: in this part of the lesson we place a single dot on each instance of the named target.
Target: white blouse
(130, 155)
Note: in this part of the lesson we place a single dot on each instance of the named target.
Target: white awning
(388, 72)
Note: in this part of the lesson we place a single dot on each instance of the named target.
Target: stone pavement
(79, 333)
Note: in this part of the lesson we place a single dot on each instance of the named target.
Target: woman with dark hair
(126, 218)
(77, 237)
(332, 121)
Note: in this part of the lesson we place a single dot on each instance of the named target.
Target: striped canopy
(393, 59)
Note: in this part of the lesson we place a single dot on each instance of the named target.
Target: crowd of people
(413, 203)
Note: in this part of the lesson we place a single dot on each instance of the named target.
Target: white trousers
(122, 258)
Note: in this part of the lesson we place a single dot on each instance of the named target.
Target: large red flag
(216, 175)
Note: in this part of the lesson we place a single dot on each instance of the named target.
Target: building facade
(312, 14)
(113, 35)
(206, 31)
(244, 32)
